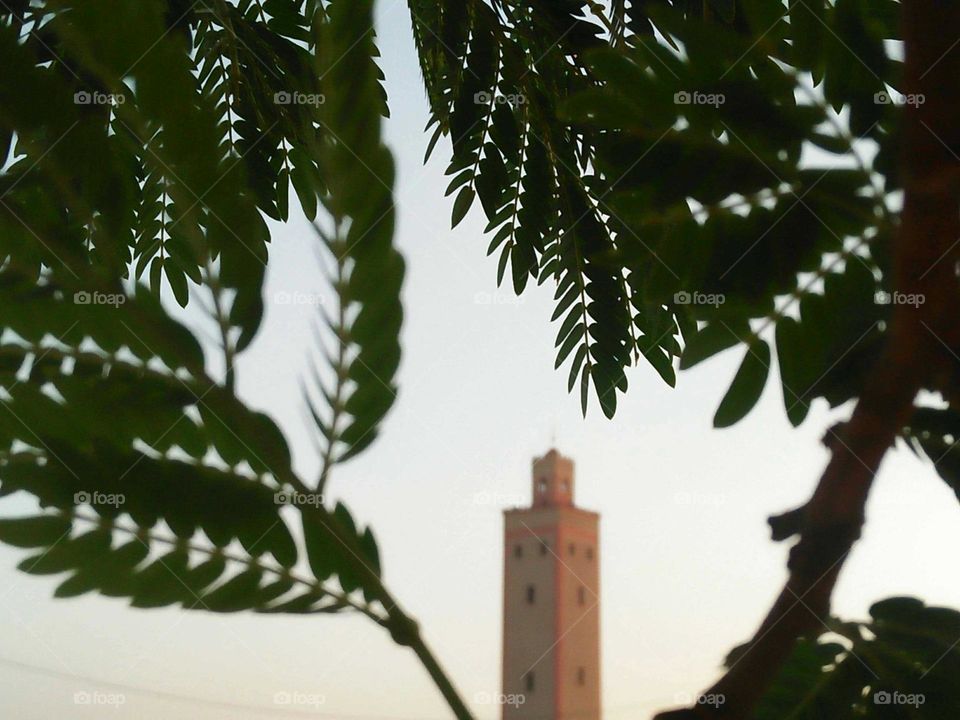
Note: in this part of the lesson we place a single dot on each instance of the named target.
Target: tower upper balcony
(552, 480)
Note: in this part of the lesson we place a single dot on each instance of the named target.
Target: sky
(688, 569)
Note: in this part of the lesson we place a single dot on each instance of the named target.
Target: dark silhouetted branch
(922, 350)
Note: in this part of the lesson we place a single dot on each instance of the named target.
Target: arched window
(572, 549)
(589, 553)
(518, 551)
(581, 595)
(581, 676)
(531, 594)
(528, 681)
(544, 547)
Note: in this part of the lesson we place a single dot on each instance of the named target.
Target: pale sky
(687, 566)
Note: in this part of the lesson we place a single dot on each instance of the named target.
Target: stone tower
(551, 602)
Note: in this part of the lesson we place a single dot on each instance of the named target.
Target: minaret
(551, 602)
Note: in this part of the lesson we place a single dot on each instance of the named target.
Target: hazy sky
(687, 566)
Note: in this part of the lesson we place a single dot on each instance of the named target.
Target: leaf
(36, 531)
(303, 185)
(794, 371)
(238, 593)
(808, 25)
(709, 340)
(462, 205)
(747, 386)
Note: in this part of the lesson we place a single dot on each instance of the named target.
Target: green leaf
(36, 531)
(238, 593)
(747, 386)
(462, 205)
(710, 340)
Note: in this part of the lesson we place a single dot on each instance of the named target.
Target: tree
(670, 170)
(665, 164)
(147, 159)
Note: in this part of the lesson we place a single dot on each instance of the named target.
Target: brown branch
(920, 351)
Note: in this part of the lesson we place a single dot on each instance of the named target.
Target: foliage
(681, 172)
(142, 163)
(698, 176)
(903, 663)
(525, 167)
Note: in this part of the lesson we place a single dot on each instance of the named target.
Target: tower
(551, 602)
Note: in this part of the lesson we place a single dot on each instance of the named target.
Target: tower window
(531, 594)
(528, 681)
(573, 549)
(542, 485)
(582, 595)
(544, 547)
(518, 551)
(589, 553)
(581, 676)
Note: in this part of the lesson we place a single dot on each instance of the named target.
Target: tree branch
(920, 351)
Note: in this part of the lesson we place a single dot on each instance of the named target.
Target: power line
(222, 704)
(176, 697)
